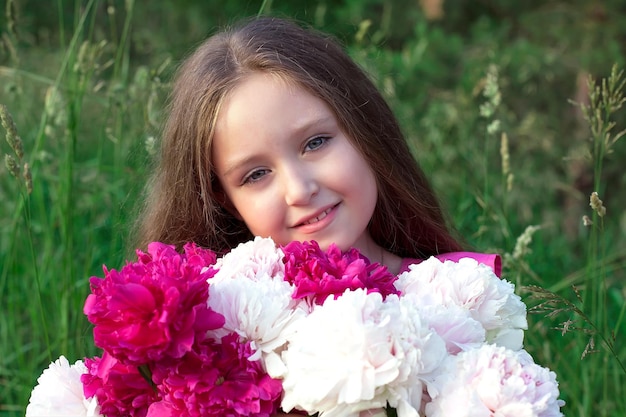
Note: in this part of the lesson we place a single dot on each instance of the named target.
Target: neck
(376, 253)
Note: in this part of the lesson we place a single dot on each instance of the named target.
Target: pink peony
(494, 381)
(317, 274)
(216, 380)
(488, 300)
(155, 307)
(253, 259)
(120, 389)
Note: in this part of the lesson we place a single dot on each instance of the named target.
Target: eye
(315, 143)
(255, 176)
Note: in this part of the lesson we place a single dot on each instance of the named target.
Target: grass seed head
(523, 242)
(28, 178)
(509, 181)
(12, 165)
(13, 139)
(504, 154)
(596, 204)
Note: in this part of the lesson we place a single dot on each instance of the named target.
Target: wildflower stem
(24, 206)
(551, 298)
(27, 219)
(123, 45)
(604, 100)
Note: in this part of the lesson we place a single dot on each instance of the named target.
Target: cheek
(362, 176)
(368, 189)
(260, 213)
(370, 198)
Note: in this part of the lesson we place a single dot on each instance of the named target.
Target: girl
(274, 131)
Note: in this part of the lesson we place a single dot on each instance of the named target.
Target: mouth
(317, 218)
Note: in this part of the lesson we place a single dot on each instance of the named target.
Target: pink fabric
(492, 260)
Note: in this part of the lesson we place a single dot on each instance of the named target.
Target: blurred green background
(85, 83)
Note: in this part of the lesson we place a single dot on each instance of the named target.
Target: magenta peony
(317, 274)
(155, 307)
(120, 389)
(216, 380)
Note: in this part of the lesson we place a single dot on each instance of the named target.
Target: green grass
(87, 104)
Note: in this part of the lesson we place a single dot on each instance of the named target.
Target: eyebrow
(234, 165)
(238, 163)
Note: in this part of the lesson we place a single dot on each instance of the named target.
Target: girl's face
(287, 169)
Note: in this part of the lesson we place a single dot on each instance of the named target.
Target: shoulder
(492, 260)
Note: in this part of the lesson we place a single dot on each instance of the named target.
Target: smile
(320, 217)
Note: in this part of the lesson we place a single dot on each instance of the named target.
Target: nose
(300, 185)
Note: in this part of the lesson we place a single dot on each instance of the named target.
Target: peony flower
(319, 332)
(317, 274)
(474, 287)
(256, 258)
(155, 307)
(357, 353)
(260, 311)
(249, 290)
(421, 349)
(494, 381)
(454, 324)
(215, 380)
(120, 389)
(60, 393)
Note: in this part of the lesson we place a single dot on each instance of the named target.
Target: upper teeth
(318, 218)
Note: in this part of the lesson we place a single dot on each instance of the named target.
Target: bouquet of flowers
(265, 329)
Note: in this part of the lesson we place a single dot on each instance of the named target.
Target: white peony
(467, 284)
(422, 351)
(261, 311)
(357, 353)
(60, 392)
(249, 290)
(493, 381)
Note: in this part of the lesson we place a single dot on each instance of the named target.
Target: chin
(343, 246)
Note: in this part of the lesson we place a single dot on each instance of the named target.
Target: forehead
(262, 99)
(265, 110)
(257, 84)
